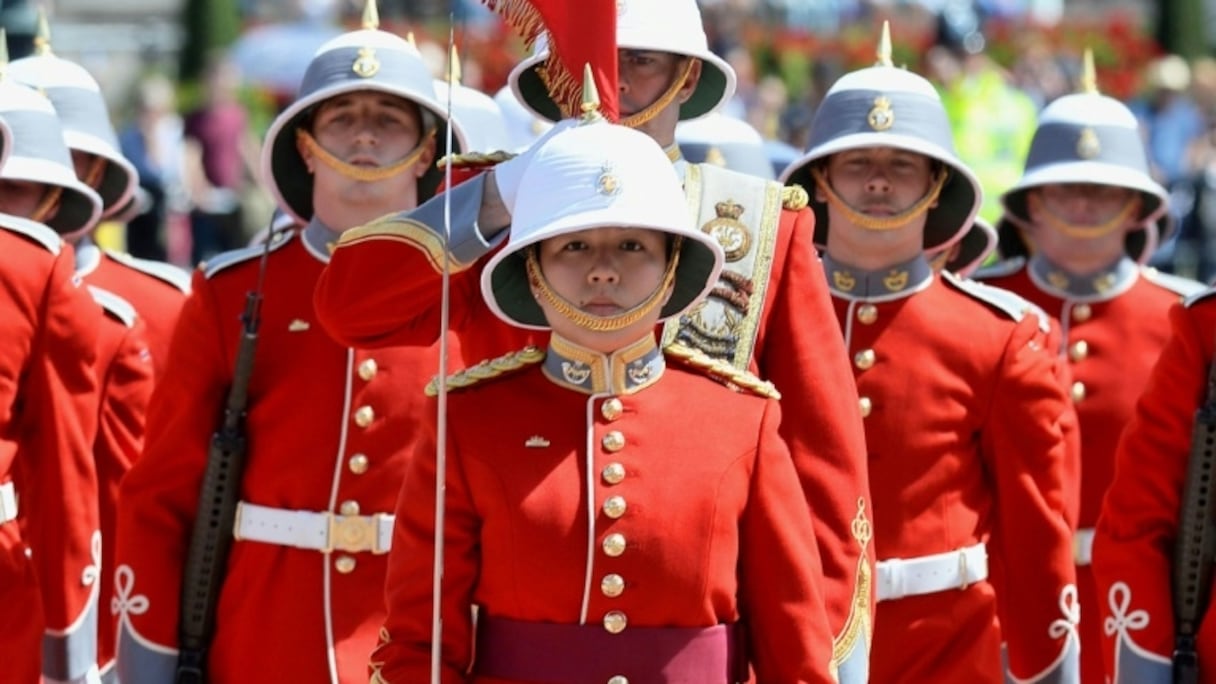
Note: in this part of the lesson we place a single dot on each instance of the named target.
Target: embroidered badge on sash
(729, 232)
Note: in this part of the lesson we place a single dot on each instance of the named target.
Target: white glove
(508, 173)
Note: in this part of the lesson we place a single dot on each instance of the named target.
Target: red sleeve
(1138, 525)
(801, 350)
(59, 483)
(1024, 447)
(781, 592)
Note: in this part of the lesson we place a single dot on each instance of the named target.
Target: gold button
(864, 359)
(612, 585)
(615, 621)
(618, 679)
(349, 508)
(367, 369)
(1078, 392)
(1078, 351)
(614, 544)
(614, 473)
(865, 405)
(344, 564)
(364, 416)
(614, 507)
(867, 313)
(358, 464)
(612, 409)
(1082, 312)
(613, 441)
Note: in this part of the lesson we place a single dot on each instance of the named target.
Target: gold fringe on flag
(565, 88)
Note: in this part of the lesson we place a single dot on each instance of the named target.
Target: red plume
(580, 32)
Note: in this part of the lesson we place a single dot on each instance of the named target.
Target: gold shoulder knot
(794, 197)
(721, 370)
(474, 159)
(490, 368)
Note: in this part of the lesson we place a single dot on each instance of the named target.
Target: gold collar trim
(624, 371)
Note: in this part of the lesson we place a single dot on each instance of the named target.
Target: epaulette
(167, 273)
(488, 369)
(721, 370)
(794, 197)
(226, 259)
(1198, 297)
(34, 231)
(1001, 269)
(1014, 305)
(474, 159)
(1184, 287)
(114, 305)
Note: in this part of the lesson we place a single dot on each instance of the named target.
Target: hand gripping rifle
(211, 538)
(1195, 551)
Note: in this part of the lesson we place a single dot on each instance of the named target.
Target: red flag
(580, 32)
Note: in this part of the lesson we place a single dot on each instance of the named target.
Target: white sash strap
(958, 569)
(1083, 546)
(8, 503)
(324, 532)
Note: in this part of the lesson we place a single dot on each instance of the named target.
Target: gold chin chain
(96, 168)
(1053, 221)
(601, 323)
(41, 213)
(881, 222)
(653, 110)
(360, 173)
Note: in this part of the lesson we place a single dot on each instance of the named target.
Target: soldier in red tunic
(1139, 523)
(965, 415)
(155, 289)
(328, 427)
(50, 545)
(611, 515)
(1078, 226)
(770, 312)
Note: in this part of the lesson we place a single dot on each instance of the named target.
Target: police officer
(50, 578)
(688, 582)
(963, 408)
(328, 427)
(1079, 224)
(155, 289)
(768, 314)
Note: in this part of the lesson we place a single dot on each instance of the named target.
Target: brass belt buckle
(352, 533)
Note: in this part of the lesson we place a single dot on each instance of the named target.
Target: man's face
(367, 129)
(880, 181)
(1081, 206)
(643, 77)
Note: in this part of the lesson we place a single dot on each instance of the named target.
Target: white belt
(1083, 546)
(8, 503)
(958, 569)
(325, 532)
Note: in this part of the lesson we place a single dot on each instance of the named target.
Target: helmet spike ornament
(42, 38)
(591, 97)
(1089, 76)
(371, 16)
(884, 46)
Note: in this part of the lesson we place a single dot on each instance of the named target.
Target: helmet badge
(881, 116)
(1088, 146)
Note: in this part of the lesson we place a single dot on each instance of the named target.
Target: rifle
(219, 494)
(1195, 551)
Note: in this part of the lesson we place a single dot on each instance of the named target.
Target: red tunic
(1111, 343)
(48, 417)
(714, 528)
(329, 429)
(124, 373)
(382, 287)
(966, 446)
(1138, 523)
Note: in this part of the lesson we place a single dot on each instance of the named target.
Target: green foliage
(206, 26)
